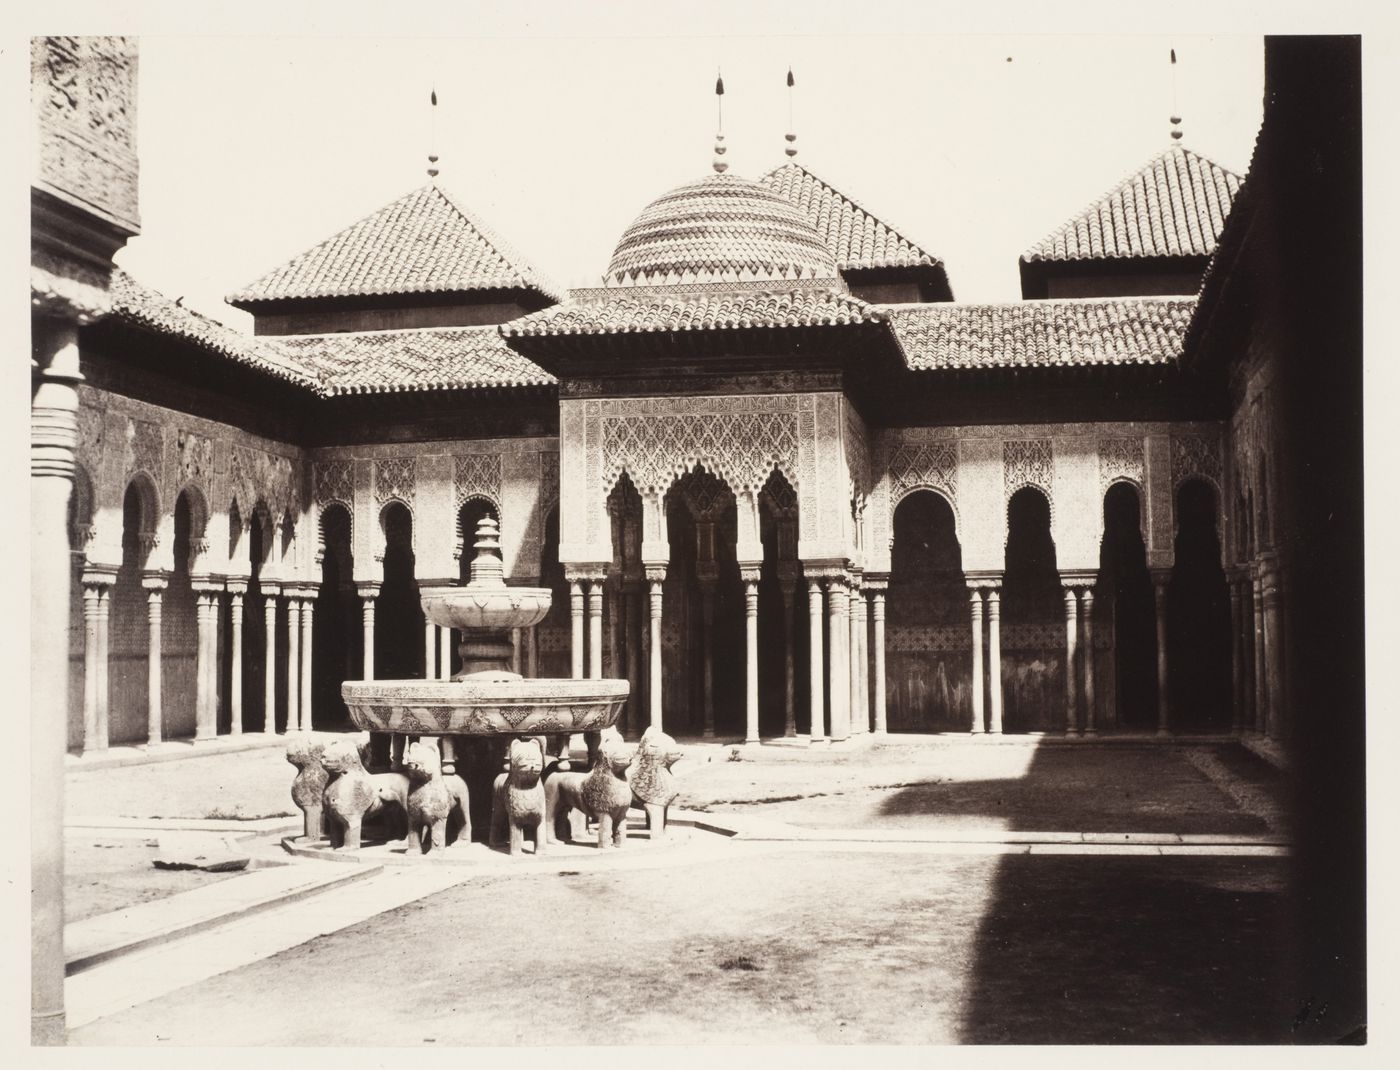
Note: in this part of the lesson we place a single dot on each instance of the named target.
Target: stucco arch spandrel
(918, 488)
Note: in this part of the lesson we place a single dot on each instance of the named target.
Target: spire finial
(1176, 114)
(790, 136)
(432, 135)
(719, 163)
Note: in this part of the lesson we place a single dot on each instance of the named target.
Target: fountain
(485, 706)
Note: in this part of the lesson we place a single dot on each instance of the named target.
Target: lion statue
(354, 794)
(518, 799)
(433, 797)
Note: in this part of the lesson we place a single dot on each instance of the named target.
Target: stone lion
(354, 794)
(433, 797)
(309, 785)
(653, 783)
(518, 799)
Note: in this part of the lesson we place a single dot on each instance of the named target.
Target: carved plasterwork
(196, 457)
(1028, 463)
(478, 475)
(549, 478)
(394, 481)
(705, 496)
(145, 448)
(256, 475)
(931, 465)
(657, 440)
(1121, 458)
(334, 481)
(1195, 456)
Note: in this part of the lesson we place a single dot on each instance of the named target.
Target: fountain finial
(487, 569)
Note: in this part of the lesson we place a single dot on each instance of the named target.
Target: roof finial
(1176, 115)
(432, 135)
(791, 137)
(719, 164)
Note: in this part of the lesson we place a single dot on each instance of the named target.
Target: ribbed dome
(721, 227)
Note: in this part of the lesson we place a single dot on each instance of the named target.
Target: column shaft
(595, 629)
(1071, 659)
(153, 655)
(860, 671)
(429, 650)
(532, 653)
(654, 684)
(1260, 687)
(707, 638)
(994, 659)
(202, 703)
(751, 661)
(816, 671)
(92, 596)
(236, 663)
(839, 627)
(979, 682)
(1090, 729)
(1237, 697)
(293, 663)
(877, 638)
(632, 643)
(308, 629)
(367, 624)
(1273, 653)
(576, 629)
(1163, 710)
(270, 659)
(789, 665)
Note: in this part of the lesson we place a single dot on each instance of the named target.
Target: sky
(253, 149)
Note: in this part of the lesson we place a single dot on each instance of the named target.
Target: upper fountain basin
(492, 607)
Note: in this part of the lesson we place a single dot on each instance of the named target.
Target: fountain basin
(485, 607)
(489, 705)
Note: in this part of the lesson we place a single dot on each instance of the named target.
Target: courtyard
(929, 890)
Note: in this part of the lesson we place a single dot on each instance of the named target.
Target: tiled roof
(720, 227)
(425, 242)
(621, 312)
(1175, 206)
(856, 238)
(137, 304)
(433, 358)
(1029, 334)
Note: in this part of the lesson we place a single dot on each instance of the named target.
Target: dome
(722, 227)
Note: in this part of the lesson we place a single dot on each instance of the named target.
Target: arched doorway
(1124, 612)
(1032, 619)
(128, 632)
(1198, 616)
(782, 605)
(398, 625)
(629, 602)
(928, 641)
(337, 637)
(179, 633)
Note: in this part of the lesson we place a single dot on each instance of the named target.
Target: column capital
(1077, 579)
(206, 585)
(984, 579)
(237, 587)
(154, 582)
(367, 589)
(750, 574)
(655, 573)
(586, 573)
(1161, 577)
(99, 576)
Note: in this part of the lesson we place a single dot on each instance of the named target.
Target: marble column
(235, 698)
(838, 605)
(576, 629)
(815, 668)
(294, 615)
(368, 593)
(1087, 599)
(860, 680)
(1277, 723)
(532, 653)
(994, 659)
(1236, 654)
(1259, 686)
(750, 576)
(308, 610)
(595, 628)
(429, 650)
(632, 642)
(707, 672)
(786, 584)
(978, 671)
(1071, 659)
(155, 587)
(877, 640)
(206, 725)
(270, 657)
(655, 577)
(1161, 578)
(53, 440)
(95, 590)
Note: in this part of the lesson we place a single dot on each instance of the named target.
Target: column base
(1091, 731)
(818, 741)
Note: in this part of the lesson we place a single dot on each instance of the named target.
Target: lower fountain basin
(485, 707)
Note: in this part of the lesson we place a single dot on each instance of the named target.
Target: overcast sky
(253, 149)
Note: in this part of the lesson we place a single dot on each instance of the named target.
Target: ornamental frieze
(1028, 463)
(1195, 456)
(1120, 458)
(334, 481)
(394, 481)
(145, 449)
(255, 475)
(195, 455)
(931, 465)
(478, 475)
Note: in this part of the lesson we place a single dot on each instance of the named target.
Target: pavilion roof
(424, 242)
(1176, 205)
(1033, 334)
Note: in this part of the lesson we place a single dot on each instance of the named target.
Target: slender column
(429, 650)
(270, 656)
(1071, 659)
(92, 595)
(1273, 639)
(444, 652)
(860, 675)
(53, 440)
(613, 594)
(236, 591)
(1251, 702)
(205, 726)
(368, 592)
(517, 650)
(707, 615)
(1160, 579)
(655, 576)
(1257, 685)
(750, 577)
(293, 660)
(877, 639)
(1088, 605)
(154, 586)
(595, 628)
(979, 682)
(1236, 656)
(532, 653)
(632, 644)
(786, 584)
(815, 669)
(308, 609)
(994, 658)
(212, 665)
(838, 603)
(576, 629)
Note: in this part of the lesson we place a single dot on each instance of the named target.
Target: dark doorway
(1032, 619)
(337, 639)
(1125, 610)
(1198, 617)
(399, 621)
